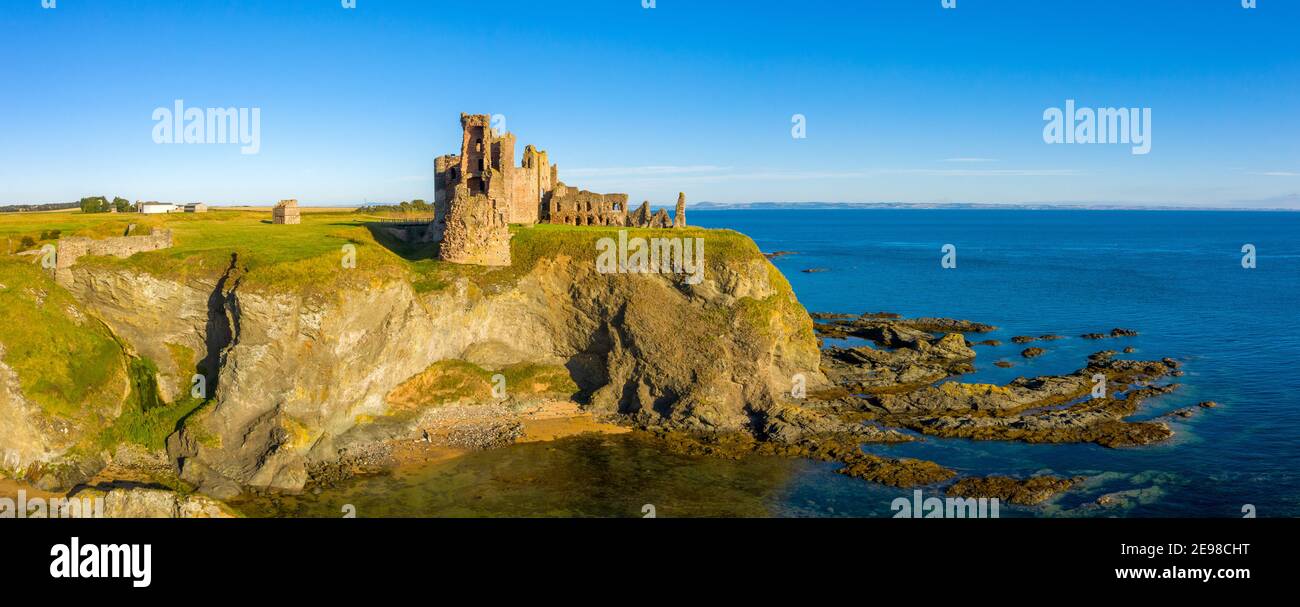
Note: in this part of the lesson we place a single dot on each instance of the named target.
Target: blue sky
(904, 100)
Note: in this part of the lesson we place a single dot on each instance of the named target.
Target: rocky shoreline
(903, 380)
(898, 384)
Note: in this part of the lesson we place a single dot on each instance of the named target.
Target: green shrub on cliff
(146, 419)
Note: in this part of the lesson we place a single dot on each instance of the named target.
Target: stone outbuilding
(286, 212)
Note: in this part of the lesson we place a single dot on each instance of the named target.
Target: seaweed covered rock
(1025, 492)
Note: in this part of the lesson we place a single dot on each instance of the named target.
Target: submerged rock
(896, 472)
(843, 447)
(1027, 492)
(1117, 332)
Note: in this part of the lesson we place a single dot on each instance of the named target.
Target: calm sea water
(1174, 276)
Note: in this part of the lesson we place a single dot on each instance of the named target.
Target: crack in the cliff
(222, 331)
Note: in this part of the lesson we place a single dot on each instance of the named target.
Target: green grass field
(309, 257)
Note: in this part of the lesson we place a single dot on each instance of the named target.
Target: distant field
(309, 256)
(267, 209)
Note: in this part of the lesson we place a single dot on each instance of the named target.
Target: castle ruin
(479, 192)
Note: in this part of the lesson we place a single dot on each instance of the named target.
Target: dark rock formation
(1026, 492)
(1042, 409)
(916, 359)
(866, 325)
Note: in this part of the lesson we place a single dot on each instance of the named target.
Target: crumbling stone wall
(571, 206)
(75, 247)
(446, 174)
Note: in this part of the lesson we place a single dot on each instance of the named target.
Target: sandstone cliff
(299, 377)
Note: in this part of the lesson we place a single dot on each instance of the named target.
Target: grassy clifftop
(310, 257)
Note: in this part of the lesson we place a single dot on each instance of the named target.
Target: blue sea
(1174, 276)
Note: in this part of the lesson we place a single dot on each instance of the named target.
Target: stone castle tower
(480, 192)
(471, 206)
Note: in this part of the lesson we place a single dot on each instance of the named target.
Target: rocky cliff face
(301, 377)
(61, 375)
(27, 435)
